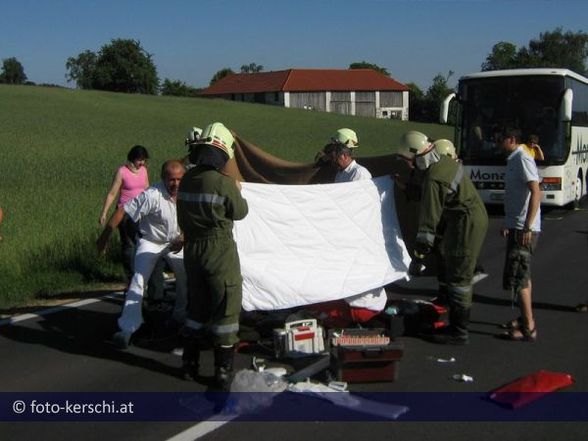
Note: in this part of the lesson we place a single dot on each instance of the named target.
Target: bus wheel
(577, 193)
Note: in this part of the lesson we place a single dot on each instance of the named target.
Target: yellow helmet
(217, 135)
(345, 137)
(414, 143)
(445, 147)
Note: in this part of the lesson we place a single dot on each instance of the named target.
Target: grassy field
(59, 150)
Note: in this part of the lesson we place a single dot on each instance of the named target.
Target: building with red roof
(363, 92)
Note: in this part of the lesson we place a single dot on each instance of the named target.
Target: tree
(503, 56)
(439, 89)
(120, 66)
(221, 74)
(81, 69)
(251, 68)
(124, 66)
(178, 88)
(366, 65)
(415, 103)
(424, 107)
(12, 72)
(556, 49)
(567, 50)
(435, 95)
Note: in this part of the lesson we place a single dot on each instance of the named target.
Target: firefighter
(208, 203)
(447, 196)
(443, 147)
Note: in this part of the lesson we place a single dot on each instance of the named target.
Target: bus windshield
(528, 103)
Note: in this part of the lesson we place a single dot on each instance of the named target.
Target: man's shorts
(517, 266)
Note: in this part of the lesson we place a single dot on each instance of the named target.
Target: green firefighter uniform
(449, 197)
(208, 203)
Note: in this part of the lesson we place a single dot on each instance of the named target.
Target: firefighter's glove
(417, 266)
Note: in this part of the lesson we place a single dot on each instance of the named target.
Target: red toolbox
(358, 363)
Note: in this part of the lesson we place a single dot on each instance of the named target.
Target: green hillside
(59, 150)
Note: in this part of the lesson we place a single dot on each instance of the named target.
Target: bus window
(527, 103)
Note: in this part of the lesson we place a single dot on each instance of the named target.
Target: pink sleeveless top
(132, 184)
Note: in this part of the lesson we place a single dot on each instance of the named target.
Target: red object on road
(527, 389)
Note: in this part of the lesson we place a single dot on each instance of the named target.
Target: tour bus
(549, 103)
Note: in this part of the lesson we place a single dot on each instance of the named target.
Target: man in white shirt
(155, 212)
(522, 224)
(361, 307)
(340, 152)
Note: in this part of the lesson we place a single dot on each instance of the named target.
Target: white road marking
(73, 305)
(199, 430)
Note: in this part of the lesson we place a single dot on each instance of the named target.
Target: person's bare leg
(526, 306)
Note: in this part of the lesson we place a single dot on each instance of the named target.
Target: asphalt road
(68, 351)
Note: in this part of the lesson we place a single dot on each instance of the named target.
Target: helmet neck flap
(424, 161)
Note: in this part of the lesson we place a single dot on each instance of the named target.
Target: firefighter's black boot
(457, 331)
(223, 366)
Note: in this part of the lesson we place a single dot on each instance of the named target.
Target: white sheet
(304, 244)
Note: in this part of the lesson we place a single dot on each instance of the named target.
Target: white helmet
(193, 135)
(414, 143)
(445, 147)
(345, 137)
(217, 135)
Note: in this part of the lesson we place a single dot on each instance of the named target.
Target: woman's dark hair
(137, 152)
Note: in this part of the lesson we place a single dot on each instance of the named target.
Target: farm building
(362, 92)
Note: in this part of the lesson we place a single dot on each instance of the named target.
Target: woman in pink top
(129, 181)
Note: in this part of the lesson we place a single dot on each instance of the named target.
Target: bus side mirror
(444, 113)
(566, 105)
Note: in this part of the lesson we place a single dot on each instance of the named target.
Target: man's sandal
(582, 307)
(513, 324)
(521, 334)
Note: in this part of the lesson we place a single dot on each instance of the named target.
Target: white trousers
(146, 257)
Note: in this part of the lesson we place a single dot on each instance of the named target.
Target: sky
(190, 40)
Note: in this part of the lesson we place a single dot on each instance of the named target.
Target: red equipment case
(367, 363)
